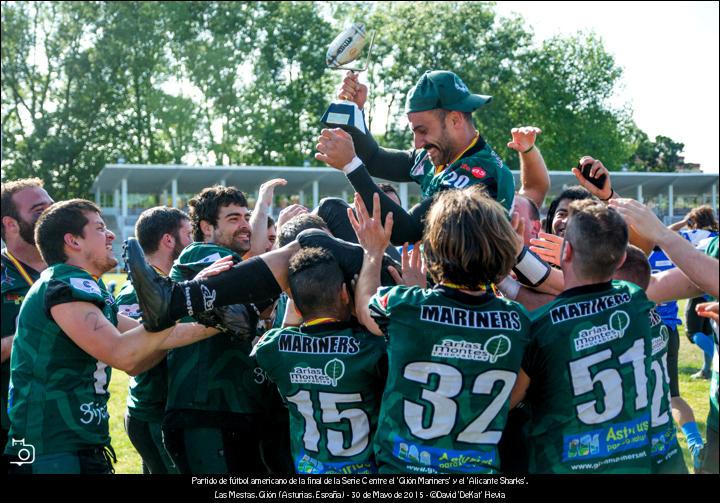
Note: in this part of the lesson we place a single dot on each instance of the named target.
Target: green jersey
(331, 376)
(58, 392)
(453, 359)
(479, 164)
(215, 374)
(664, 449)
(712, 420)
(588, 364)
(16, 280)
(147, 391)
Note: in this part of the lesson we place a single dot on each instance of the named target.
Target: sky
(669, 55)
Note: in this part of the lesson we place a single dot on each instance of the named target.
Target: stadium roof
(153, 179)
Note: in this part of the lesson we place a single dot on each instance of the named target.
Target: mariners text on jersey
(291, 343)
(586, 308)
(505, 320)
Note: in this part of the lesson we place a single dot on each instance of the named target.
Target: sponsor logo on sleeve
(85, 285)
(129, 310)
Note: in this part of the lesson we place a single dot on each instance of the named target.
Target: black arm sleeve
(408, 226)
(385, 163)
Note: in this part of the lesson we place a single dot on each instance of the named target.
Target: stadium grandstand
(123, 191)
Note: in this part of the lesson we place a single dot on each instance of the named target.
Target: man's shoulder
(203, 252)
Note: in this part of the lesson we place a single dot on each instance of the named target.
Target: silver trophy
(345, 49)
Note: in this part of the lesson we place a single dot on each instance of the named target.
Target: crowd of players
(457, 337)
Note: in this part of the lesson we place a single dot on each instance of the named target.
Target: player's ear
(71, 241)
(622, 261)
(344, 294)
(10, 223)
(566, 252)
(206, 228)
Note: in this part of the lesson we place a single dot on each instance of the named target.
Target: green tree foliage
(84, 83)
(663, 154)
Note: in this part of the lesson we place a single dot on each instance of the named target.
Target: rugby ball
(347, 46)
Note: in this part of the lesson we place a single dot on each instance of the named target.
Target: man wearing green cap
(448, 151)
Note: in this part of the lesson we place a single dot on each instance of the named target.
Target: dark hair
(441, 113)
(271, 221)
(534, 211)
(56, 221)
(574, 193)
(315, 281)
(599, 237)
(154, 223)
(9, 189)
(468, 239)
(636, 268)
(290, 229)
(703, 217)
(206, 206)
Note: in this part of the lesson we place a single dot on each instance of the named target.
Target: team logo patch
(129, 310)
(419, 168)
(495, 347)
(615, 329)
(211, 258)
(478, 172)
(85, 285)
(329, 375)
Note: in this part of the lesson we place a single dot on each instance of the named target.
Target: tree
(663, 154)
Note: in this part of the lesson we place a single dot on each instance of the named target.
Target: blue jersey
(668, 311)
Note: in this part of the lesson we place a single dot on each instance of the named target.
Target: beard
(443, 146)
(27, 231)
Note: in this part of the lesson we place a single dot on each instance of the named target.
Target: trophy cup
(345, 49)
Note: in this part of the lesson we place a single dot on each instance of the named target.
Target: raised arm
(259, 217)
(700, 269)
(374, 238)
(534, 176)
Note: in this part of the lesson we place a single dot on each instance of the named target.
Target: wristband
(529, 150)
(509, 287)
(530, 269)
(612, 193)
(352, 165)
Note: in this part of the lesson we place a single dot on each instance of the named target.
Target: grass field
(695, 392)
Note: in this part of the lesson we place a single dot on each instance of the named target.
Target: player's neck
(26, 253)
(574, 281)
(86, 265)
(467, 138)
(160, 261)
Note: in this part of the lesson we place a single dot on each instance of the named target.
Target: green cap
(443, 89)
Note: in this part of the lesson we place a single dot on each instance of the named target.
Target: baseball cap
(443, 89)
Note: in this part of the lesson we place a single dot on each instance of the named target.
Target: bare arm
(131, 351)
(259, 217)
(678, 225)
(7, 347)
(700, 269)
(374, 238)
(534, 176)
(671, 285)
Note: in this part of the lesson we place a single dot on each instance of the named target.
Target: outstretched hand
(523, 138)
(596, 171)
(548, 247)
(414, 272)
(639, 216)
(372, 235)
(217, 267)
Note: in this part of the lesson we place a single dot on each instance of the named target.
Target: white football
(347, 46)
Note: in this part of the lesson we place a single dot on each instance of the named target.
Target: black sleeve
(407, 226)
(61, 293)
(385, 163)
